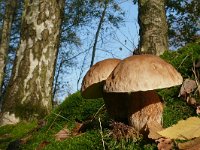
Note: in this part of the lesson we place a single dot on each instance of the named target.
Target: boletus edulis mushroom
(129, 89)
(93, 81)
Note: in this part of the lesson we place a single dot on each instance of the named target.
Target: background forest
(43, 42)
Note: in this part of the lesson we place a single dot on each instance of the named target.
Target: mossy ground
(75, 108)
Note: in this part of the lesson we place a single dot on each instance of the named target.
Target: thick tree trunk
(5, 36)
(29, 93)
(153, 27)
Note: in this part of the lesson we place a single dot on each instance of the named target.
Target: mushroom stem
(144, 107)
(137, 109)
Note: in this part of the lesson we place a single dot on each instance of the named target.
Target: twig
(52, 122)
(196, 78)
(85, 124)
(98, 111)
(101, 132)
(182, 61)
(60, 116)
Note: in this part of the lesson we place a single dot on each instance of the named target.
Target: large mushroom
(129, 90)
(93, 81)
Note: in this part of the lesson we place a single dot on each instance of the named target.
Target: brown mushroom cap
(92, 84)
(142, 73)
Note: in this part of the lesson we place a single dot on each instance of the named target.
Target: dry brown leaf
(164, 144)
(187, 87)
(190, 145)
(183, 130)
(77, 129)
(42, 145)
(62, 134)
(153, 128)
(198, 110)
(25, 139)
(191, 101)
(196, 147)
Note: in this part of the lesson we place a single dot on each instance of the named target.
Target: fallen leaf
(164, 144)
(196, 147)
(189, 145)
(187, 87)
(25, 139)
(183, 130)
(153, 128)
(198, 110)
(42, 145)
(62, 134)
(191, 101)
(77, 129)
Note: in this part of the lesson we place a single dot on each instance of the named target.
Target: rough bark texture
(29, 93)
(153, 27)
(136, 108)
(5, 35)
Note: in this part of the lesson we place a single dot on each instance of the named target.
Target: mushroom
(129, 90)
(93, 81)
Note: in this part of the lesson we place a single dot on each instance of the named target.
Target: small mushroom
(93, 81)
(129, 90)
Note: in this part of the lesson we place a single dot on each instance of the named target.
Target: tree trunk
(29, 93)
(153, 27)
(5, 36)
(97, 33)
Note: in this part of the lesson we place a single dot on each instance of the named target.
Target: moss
(76, 108)
(183, 58)
(11, 133)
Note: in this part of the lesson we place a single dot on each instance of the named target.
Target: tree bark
(153, 27)
(5, 36)
(29, 93)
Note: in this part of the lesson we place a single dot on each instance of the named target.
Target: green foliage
(176, 108)
(183, 18)
(183, 58)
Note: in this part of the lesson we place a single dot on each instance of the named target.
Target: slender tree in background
(98, 31)
(5, 36)
(13, 44)
(153, 27)
(29, 93)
